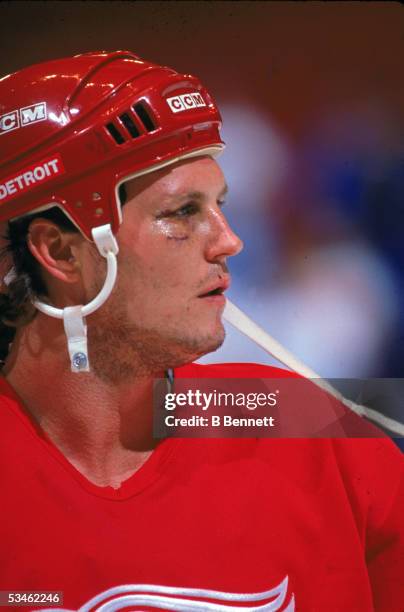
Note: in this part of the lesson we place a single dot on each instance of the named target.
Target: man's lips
(216, 288)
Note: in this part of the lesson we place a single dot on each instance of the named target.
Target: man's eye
(186, 211)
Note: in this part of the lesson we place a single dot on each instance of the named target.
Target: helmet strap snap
(76, 334)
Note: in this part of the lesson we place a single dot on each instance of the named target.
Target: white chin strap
(74, 316)
(246, 326)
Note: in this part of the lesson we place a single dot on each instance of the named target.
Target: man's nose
(223, 241)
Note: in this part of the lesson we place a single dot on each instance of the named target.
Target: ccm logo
(185, 102)
(22, 117)
(29, 177)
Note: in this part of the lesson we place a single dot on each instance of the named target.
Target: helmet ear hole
(123, 196)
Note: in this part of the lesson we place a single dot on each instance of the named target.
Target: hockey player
(118, 250)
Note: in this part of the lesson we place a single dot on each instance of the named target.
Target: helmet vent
(129, 124)
(144, 116)
(115, 133)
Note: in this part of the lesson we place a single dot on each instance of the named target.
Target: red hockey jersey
(206, 524)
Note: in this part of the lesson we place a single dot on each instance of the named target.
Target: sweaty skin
(174, 243)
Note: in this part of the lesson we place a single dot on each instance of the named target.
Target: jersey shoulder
(232, 370)
(9, 401)
(15, 422)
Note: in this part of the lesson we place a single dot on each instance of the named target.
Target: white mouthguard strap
(246, 326)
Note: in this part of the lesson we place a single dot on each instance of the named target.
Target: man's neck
(104, 429)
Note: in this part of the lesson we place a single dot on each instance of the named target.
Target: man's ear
(56, 250)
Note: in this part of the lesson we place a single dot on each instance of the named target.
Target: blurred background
(312, 101)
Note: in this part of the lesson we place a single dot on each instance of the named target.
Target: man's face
(174, 243)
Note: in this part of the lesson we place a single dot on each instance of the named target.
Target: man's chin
(212, 345)
(195, 348)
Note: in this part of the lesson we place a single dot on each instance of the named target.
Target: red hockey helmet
(72, 130)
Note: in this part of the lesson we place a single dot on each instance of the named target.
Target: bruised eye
(187, 210)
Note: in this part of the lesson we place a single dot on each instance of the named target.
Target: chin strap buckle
(76, 334)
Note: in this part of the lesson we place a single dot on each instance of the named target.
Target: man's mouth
(216, 289)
